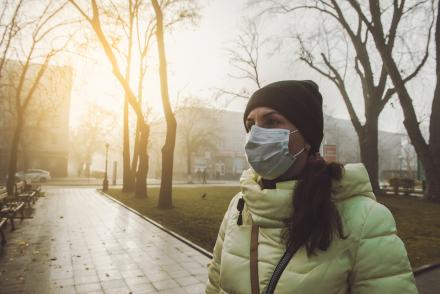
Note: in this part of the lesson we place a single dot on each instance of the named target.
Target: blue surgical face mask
(267, 151)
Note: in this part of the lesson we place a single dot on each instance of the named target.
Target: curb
(426, 268)
(168, 231)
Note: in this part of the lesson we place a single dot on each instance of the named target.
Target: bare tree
(9, 28)
(341, 45)
(140, 153)
(197, 129)
(165, 194)
(409, 157)
(381, 30)
(111, 53)
(186, 11)
(94, 131)
(44, 43)
(132, 98)
(52, 97)
(244, 56)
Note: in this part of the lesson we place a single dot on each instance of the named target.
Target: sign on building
(330, 153)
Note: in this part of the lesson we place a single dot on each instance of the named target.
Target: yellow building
(44, 142)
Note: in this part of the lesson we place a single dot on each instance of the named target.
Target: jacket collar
(271, 207)
(268, 207)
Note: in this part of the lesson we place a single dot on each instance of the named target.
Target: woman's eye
(271, 122)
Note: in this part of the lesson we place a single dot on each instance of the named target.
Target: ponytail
(315, 219)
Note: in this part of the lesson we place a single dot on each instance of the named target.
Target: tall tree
(244, 56)
(109, 50)
(120, 23)
(42, 31)
(197, 129)
(140, 159)
(93, 132)
(428, 151)
(9, 27)
(166, 189)
(339, 48)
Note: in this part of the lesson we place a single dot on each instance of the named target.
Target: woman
(299, 224)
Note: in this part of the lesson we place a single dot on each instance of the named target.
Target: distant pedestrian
(199, 175)
(204, 176)
(300, 224)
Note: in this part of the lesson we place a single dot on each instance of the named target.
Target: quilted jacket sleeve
(381, 263)
(213, 285)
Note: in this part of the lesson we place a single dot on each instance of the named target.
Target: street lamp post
(105, 182)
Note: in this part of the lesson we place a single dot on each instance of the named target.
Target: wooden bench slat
(3, 223)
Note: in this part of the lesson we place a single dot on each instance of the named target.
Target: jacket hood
(271, 207)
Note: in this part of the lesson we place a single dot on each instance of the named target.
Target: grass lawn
(198, 218)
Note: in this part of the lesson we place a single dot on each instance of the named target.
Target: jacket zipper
(279, 270)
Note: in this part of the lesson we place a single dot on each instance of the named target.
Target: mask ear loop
(293, 132)
(302, 150)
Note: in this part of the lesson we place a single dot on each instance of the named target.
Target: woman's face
(269, 118)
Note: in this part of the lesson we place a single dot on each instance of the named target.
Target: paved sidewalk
(96, 182)
(79, 241)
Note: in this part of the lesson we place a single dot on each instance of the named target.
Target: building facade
(44, 142)
(208, 141)
(225, 159)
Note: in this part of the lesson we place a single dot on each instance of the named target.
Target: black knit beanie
(298, 101)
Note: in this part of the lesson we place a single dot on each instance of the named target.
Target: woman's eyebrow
(263, 116)
(269, 113)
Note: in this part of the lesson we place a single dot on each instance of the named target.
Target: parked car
(35, 175)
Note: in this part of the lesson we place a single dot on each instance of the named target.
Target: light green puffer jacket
(371, 260)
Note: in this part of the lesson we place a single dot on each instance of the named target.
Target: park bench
(3, 222)
(9, 207)
(24, 194)
(30, 187)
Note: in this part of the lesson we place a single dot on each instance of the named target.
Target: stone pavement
(79, 241)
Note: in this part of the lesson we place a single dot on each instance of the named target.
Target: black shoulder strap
(279, 269)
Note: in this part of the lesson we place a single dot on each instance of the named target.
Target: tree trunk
(165, 194)
(127, 175)
(424, 151)
(188, 167)
(136, 146)
(141, 174)
(432, 191)
(10, 185)
(24, 162)
(368, 144)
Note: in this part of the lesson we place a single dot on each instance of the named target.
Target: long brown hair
(316, 219)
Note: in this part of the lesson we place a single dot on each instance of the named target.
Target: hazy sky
(198, 64)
